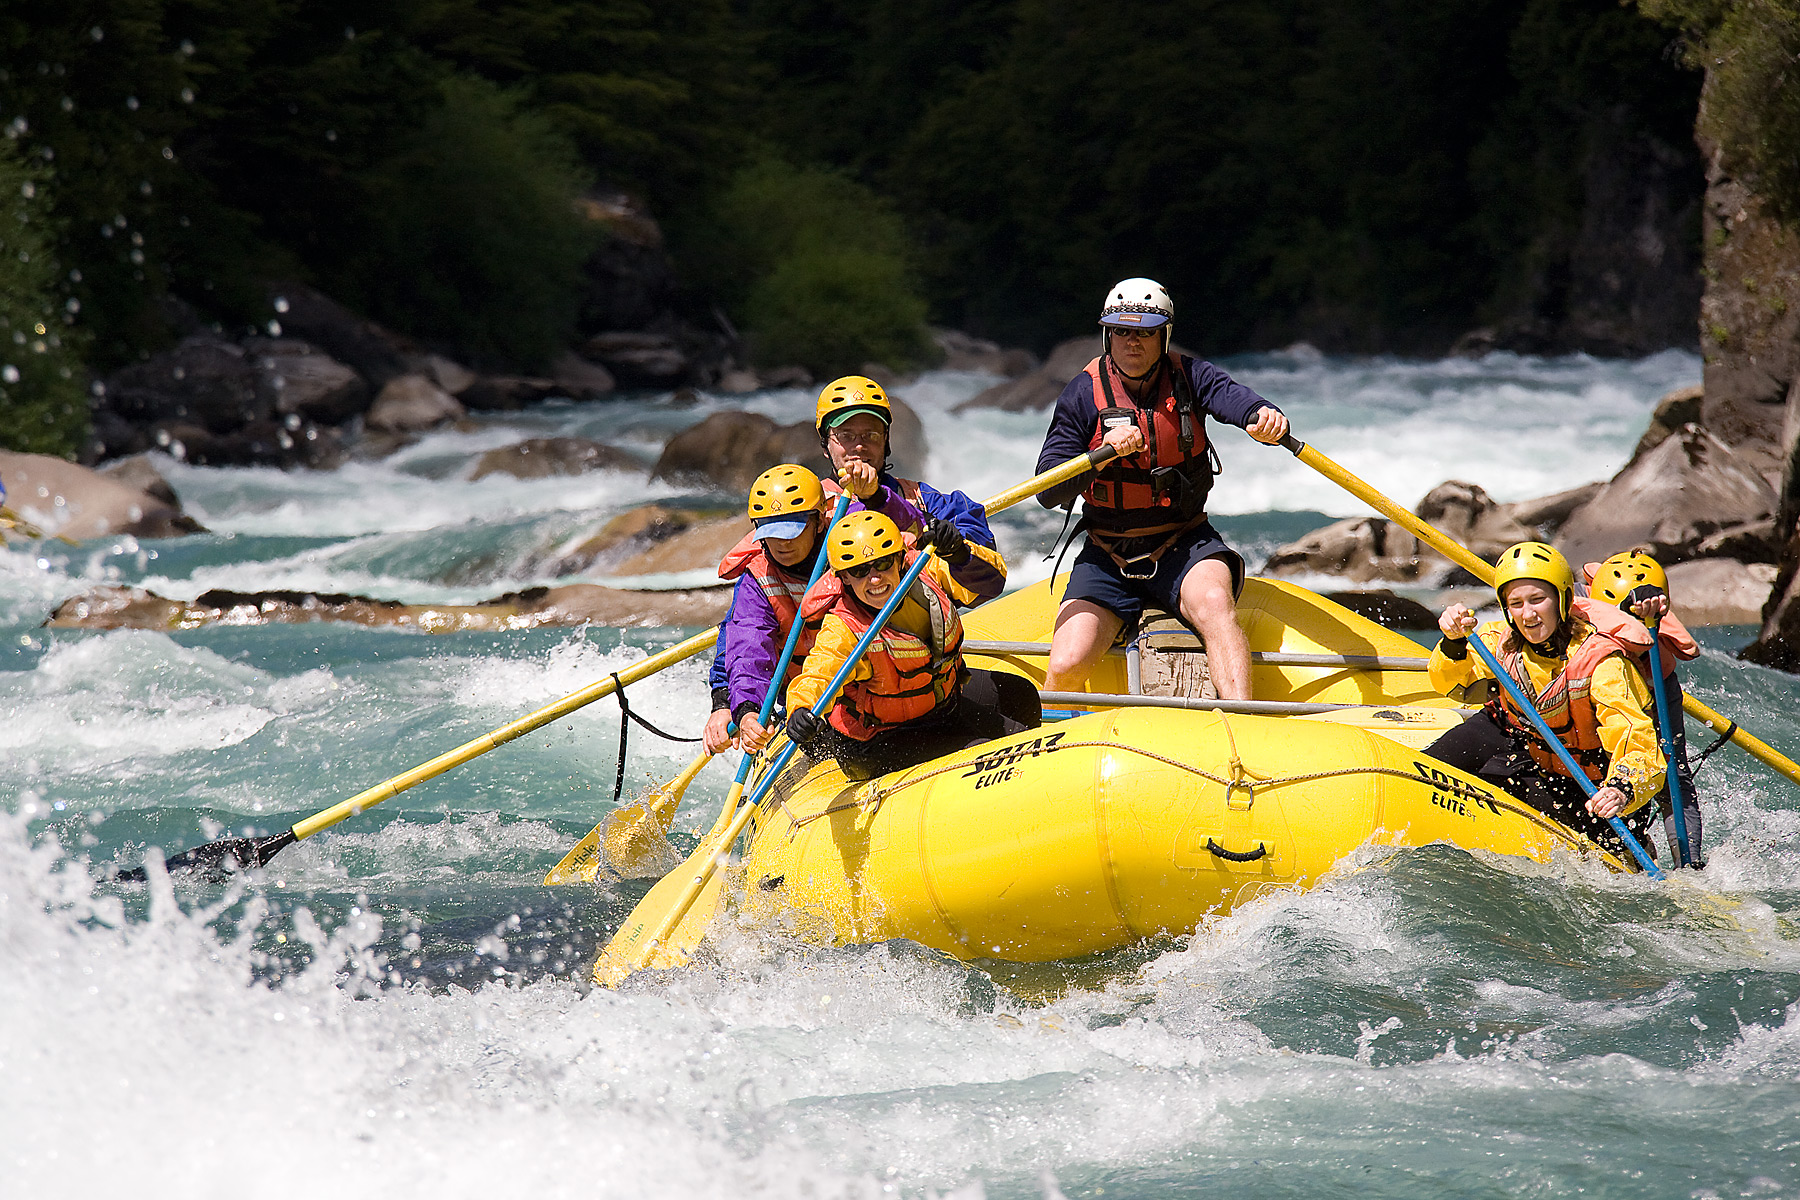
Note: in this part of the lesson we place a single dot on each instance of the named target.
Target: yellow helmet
(1540, 561)
(847, 395)
(1619, 575)
(784, 491)
(861, 537)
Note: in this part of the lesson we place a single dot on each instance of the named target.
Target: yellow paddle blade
(580, 865)
(681, 905)
(626, 954)
(631, 842)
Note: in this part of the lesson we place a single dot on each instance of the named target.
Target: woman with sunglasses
(904, 702)
(1149, 540)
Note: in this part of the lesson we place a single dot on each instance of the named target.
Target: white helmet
(1138, 304)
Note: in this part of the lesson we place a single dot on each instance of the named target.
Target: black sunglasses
(874, 564)
(1137, 334)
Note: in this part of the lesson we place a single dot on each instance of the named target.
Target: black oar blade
(215, 861)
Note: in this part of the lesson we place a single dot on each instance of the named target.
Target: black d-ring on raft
(1218, 851)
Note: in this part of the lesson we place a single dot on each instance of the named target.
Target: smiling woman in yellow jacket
(1573, 657)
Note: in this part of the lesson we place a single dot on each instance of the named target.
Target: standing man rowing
(1149, 540)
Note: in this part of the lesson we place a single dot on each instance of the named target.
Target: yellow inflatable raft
(1133, 820)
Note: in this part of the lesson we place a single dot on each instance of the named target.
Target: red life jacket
(909, 678)
(1566, 703)
(1164, 485)
(909, 491)
(783, 591)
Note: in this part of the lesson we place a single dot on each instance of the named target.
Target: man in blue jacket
(1148, 537)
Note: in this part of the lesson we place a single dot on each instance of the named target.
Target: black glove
(951, 546)
(803, 729)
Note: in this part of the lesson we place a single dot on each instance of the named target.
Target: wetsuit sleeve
(831, 649)
(1223, 397)
(756, 638)
(1449, 674)
(984, 576)
(1071, 429)
(1677, 641)
(1621, 706)
(717, 678)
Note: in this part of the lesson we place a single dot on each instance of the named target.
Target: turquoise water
(397, 1006)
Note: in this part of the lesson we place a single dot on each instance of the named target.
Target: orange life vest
(783, 591)
(1566, 703)
(909, 678)
(1165, 484)
(909, 491)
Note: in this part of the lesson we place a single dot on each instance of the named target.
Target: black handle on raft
(1290, 443)
(1218, 851)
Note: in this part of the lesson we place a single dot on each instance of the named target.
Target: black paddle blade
(215, 861)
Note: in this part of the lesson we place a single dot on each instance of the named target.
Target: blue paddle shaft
(1665, 729)
(1575, 772)
(793, 637)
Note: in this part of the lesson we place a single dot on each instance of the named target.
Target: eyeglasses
(883, 564)
(855, 437)
(1135, 334)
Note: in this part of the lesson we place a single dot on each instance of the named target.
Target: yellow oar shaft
(1747, 742)
(370, 797)
(1463, 557)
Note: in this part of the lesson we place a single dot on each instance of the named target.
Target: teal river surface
(395, 1007)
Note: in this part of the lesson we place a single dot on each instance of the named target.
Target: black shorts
(1097, 579)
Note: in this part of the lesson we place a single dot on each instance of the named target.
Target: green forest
(832, 175)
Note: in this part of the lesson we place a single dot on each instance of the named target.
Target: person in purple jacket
(1148, 537)
(771, 565)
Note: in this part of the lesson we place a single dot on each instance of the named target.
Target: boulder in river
(1387, 608)
(412, 404)
(1720, 591)
(540, 458)
(638, 359)
(1040, 387)
(696, 548)
(632, 535)
(508, 393)
(578, 604)
(729, 449)
(308, 382)
(203, 381)
(580, 379)
(76, 502)
(1364, 549)
(1685, 488)
(965, 353)
(375, 353)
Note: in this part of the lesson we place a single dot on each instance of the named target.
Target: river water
(396, 1006)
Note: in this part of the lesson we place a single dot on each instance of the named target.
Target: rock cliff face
(1750, 329)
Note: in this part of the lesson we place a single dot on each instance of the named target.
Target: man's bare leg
(1084, 633)
(1207, 604)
